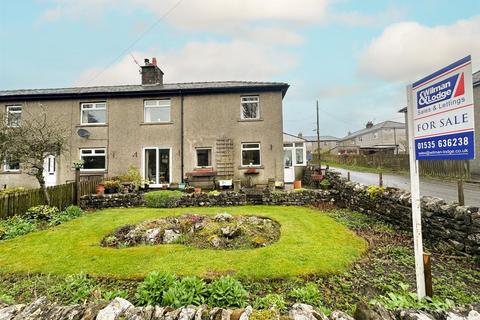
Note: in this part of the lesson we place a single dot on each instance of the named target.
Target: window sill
(155, 123)
(11, 172)
(250, 120)
(92, 125)
(251, 167)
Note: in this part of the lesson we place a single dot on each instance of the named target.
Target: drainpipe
(182, 137)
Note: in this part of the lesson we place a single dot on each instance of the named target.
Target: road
(446, 190)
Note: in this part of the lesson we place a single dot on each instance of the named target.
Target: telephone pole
(318, 137)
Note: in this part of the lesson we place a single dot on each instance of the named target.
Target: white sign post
(440, 127)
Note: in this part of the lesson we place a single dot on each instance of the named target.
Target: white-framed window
(299, 153)
(251, 154)
(93, 113)
(94, 159)
(13, 116)
(157, 110)
(250, 107)
(204, 157)
(10, 164)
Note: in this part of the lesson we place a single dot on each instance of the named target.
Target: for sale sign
(443, 118)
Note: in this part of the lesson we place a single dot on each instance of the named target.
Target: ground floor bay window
(157, 166)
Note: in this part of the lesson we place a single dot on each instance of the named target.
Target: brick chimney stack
(151, 73)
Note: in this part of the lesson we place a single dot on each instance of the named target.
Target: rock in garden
(415, 315)
(302, 311)
(230, 232)
(339, 315)
(170, 236)
(375, 312)
(33, 310)
(187, 313)
(246, 314)
(152, 236)
(201, 313)
(223, 217)
(8, 313)
(114, 309)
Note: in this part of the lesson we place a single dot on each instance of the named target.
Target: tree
(38, 137)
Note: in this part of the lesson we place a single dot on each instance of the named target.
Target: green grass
(310, 243)
(364, 169)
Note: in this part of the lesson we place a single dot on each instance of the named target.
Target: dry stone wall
(446, 225)
(118, 308)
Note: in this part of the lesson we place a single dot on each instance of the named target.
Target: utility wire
(129, 47)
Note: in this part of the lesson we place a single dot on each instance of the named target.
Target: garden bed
(223, 231)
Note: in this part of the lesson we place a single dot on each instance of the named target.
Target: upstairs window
(11, 164)
(157, 110)
(94, 159)
(14, 116)
(250, 107)
(93, 113)
(204, 157)
(251, 154)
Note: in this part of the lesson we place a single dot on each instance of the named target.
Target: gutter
(181, 138)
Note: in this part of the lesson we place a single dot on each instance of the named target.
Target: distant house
(386, 137)
(327, 143)
(474, 164)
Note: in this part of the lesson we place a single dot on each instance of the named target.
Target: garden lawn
(310, 243)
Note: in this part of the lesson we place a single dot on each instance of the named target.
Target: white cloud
(408, 50)
(198, 61)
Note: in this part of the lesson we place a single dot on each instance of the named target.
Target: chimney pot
(151, 73)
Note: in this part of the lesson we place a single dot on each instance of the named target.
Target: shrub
(325, 184)
(275, 301)
(153, 287)
(188, 291)
(308, 294)
(161, 199)
(110, 295)
(75, 288)
(15, 226)
(227, 292)
(112, 185)
(11, 190)
(214, 193)
(403, 298)
(41, 213)
(71, 212)
(134, 177)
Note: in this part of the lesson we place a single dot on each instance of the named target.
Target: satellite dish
(83, 133)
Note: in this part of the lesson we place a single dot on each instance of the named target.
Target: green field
(310, 243)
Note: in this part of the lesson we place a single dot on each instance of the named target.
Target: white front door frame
(156, 184)
(289, 168)
(50, 171)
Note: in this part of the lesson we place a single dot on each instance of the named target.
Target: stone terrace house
(170, 131)
(387, 136)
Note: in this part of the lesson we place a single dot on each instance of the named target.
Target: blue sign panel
(443, 114)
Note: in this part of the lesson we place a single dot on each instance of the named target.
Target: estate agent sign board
(440, 127)
(443, 114)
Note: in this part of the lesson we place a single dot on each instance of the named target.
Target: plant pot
(297, 184)
(198, 190)
(110, 190)
(100, 188)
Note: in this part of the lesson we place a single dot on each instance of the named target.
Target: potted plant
(100, 188)
(198, 190)
(111, 186)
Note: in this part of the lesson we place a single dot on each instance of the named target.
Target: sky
(354, 57)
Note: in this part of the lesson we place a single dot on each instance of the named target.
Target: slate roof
(143, 90)
(382, 125)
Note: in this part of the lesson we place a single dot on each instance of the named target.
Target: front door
(289, 169)
(157, 166)
(50, 171)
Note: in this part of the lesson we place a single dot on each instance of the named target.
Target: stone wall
(446, 225)
(115, 200)
(42, 309)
